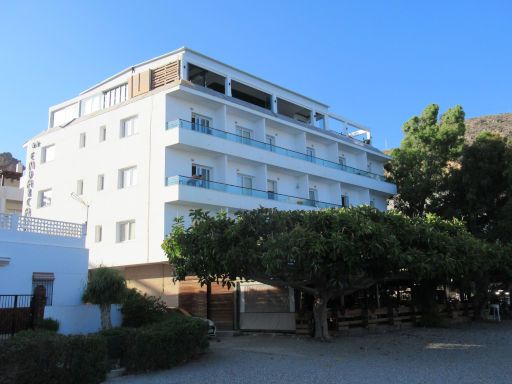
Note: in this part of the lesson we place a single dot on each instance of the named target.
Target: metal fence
(16, 314)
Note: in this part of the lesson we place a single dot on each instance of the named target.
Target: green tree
(421, 166)
(329, 253)
(105, 287)
(480, 188)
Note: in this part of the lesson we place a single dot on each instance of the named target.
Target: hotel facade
(185, 131)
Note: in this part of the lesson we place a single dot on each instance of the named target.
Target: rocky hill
(500, 124)
(8, 162)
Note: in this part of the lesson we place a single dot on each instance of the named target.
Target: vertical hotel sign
(30, 179)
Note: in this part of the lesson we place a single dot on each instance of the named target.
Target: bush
(47, 324)
(117, 341)
(166, 344)
(37, 357)
(140, 309)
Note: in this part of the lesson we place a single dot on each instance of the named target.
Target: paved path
(472, 353)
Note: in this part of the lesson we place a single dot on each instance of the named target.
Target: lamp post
(76, 197)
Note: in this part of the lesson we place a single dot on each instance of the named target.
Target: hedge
(164, 345)
(39, 357)
(141, 309)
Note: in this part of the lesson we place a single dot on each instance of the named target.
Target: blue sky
(376, 62)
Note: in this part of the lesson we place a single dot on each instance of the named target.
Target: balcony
(270, 148)
(237, 190)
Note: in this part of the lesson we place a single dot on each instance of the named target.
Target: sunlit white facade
(184, 131)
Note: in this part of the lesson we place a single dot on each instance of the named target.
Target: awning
(43, 276)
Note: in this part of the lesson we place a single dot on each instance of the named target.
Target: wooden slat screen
(222, 306)
(165, 74)
(192, 297)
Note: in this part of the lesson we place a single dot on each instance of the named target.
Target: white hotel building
(184, 131)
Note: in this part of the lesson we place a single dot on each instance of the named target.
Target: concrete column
(312, 117)
(2, 205)
(326, 122)
(274, 104)
(184, 70)
(227, 85)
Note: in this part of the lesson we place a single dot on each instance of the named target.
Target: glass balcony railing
(269, 147)
(237, 190)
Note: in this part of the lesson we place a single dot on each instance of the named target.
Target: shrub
(166, 344)
(48, 324)
(140, 309)
(37, 357)
(117, 340)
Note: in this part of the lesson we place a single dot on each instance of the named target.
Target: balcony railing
(269, 147)
(12, 222)
(237, 190)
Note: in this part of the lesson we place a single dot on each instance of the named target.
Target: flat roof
(185, 49)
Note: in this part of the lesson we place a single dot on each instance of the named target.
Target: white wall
(83, 318)
(68, 264)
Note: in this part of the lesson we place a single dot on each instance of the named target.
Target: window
(81, 144)
(272, 189)
(101, 182)
(125, 231)
(201, 123)
(271, 140)
(244, 133)
(310, 152)
(46, 280)
(245, 181)
(80, 187)
(129, 127)
(48, 153)
(127, 177)
(98, 233)
(103, 133)
(115, 96)
(90, 105)
(344, 201)
(342, 160)
(45, 198)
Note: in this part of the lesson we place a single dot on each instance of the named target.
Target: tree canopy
(327, 253)
(420, 167)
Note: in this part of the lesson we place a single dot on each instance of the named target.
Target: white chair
(494, 312)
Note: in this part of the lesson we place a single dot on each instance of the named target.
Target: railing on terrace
(271, 148)
(11, 222)
(214, 185)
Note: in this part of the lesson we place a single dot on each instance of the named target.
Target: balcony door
(201, 175)
(245, 182)
(245, 135)
(201, 123)
(272, 189)
(313, 197)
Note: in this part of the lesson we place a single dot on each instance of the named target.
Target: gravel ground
(470, 353)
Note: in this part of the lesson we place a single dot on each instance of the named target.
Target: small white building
(11, 195)
(44, 252)
(51, 253)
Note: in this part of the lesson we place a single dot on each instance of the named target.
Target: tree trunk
(481, 298)
(106, 323)
(320, 314)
